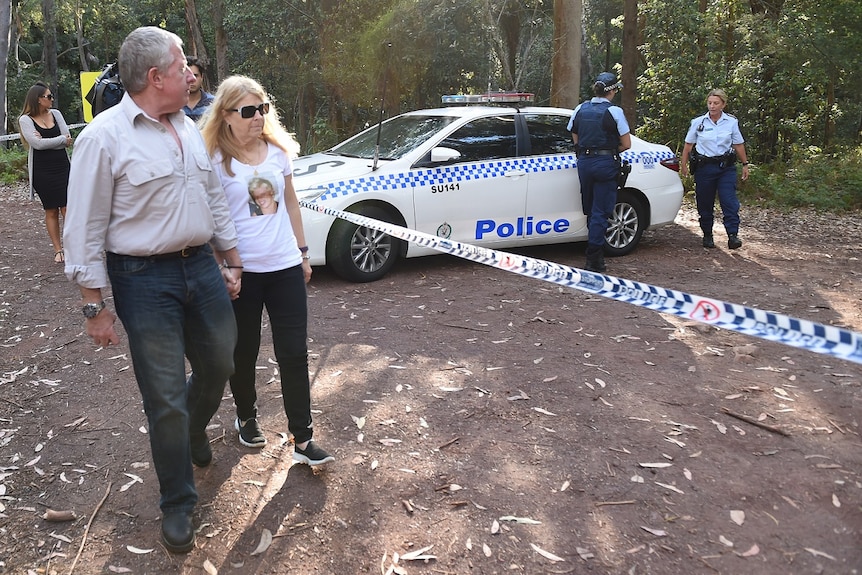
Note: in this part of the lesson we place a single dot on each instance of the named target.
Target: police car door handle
(515, 173)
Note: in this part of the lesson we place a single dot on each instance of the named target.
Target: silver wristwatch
(91, 310)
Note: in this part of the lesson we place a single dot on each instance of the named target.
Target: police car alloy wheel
(627, 225)
(362, 254)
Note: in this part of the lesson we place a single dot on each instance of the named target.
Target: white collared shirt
(714, 138)
(133, 191)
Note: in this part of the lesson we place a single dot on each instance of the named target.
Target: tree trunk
(196, 46)
(49, 52)
(222, 66)
(630, 61)
(5, 39)
(497, 29)
(566, 60)
(510, 26)
(79, 33)
(13, 39)
(829, 122)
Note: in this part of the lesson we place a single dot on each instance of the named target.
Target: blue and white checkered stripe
(468, 172)
(804, 334)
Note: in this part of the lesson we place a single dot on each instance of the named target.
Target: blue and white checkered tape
(472, 171)
(800, 333)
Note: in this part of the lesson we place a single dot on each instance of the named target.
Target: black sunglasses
(248, 111)
(49, 96)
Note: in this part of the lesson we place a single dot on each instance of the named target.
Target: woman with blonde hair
(247, 143)
(46, 136)
(719, 143)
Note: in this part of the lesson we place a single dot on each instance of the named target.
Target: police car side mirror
(441, 154)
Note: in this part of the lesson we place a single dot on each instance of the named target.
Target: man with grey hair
(148, 213)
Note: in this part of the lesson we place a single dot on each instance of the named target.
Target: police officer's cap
(609, 81)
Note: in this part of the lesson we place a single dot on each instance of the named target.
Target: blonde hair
(217, 134)
(719, 93)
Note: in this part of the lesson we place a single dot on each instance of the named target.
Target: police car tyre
(627, 224)
(361, 254)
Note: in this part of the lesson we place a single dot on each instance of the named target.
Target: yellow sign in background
(88, 79)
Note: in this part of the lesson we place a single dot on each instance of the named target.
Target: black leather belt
(597, 152)
(183, 253)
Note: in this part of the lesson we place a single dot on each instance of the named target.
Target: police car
(490, 171)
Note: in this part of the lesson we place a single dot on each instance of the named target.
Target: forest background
(792, 68)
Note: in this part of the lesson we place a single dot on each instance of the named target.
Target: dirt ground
(482, 422)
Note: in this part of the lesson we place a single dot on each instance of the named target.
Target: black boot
(708, 242)
(595, 259)
(733, 242)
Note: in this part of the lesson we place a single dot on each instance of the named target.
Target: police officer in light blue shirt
(718, 144)
(600, 133)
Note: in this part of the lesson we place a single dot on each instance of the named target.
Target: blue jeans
(598, 177)
(710, 179)
(283, 293)
(174, 309)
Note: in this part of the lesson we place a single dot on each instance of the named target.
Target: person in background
(247, 143)
(719, 143)
(600, 132)
(148, 213)
(46, 136)
(199, 99)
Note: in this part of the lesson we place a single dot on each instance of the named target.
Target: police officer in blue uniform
(600, 133)
(718, 144)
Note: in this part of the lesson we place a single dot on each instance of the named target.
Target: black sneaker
(250, 434)
(733, 242)
(311, 455)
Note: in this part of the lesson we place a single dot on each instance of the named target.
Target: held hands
(232, 279)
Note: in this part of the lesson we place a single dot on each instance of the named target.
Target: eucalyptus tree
(49, 42)
(5, 39)
(566, 60)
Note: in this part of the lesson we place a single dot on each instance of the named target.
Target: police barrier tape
(16, 136)
(819, 338)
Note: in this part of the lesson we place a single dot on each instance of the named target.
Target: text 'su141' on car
(486, 175)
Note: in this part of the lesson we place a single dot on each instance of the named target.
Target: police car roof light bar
(490, 98)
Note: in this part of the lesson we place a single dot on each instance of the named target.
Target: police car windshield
(398, 136)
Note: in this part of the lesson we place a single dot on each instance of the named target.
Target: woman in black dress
(45, 134)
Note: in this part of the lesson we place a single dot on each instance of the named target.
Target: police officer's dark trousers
(598, 177)
(711, 179)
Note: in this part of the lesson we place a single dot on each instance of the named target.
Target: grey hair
(142, 49)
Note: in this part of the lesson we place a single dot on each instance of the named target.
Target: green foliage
(825, 181)
(13, 165)
(792, 72)
(792, 68)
